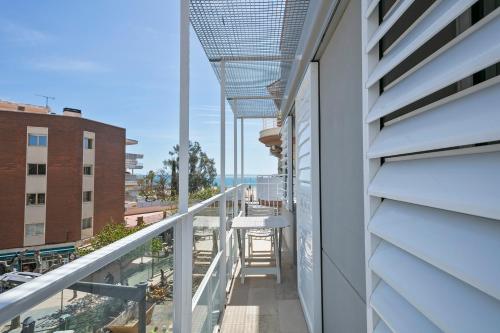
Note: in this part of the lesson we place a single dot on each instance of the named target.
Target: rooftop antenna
(47, 99)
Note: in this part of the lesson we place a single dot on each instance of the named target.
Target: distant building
(62, 176)
(270, 135)
(12, 106)
(131, 180)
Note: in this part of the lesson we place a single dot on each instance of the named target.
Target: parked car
(13, 279)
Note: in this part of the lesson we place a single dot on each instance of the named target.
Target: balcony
(270, 135)
(179, 274)
(132, 282)
(131, 180)
(133, 165)
(133, 156)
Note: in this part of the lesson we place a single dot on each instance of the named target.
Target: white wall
(307, 193)
(342, 224)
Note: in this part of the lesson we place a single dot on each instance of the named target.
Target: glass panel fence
(207, 299)
(231, 254)
(128, 284)
(207, 302)
(229, 207)
(133, 290)
(206, 244)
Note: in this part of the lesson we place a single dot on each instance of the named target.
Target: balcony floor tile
(260, 305)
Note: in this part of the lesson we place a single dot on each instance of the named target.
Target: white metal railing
(269, 123)
(131, 178)
(133, 156)
(268, 190)
(23, 298)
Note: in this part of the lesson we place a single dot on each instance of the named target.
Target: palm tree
(202, 170)
(147, 186)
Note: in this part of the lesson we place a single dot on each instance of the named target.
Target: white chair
(261, 234)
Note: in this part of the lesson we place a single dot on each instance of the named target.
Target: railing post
(142, 307)
(269, 191)
(235, 164)
(183, 274)
(183, 240)
(28, 325)
(289, 164)
(243, 193)
(222, 203)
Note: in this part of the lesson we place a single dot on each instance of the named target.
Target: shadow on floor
(260, 305)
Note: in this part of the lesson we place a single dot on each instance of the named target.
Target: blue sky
(117, 61)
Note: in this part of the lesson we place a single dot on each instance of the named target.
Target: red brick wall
(12, 178)
(109, 186)
(64, 179)
(64, 175)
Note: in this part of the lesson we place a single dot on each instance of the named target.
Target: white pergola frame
(182, 309)
(183, 261)
(184, 231)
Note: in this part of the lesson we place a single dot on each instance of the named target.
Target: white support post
(289, 164)
(183, 270)
(242, 175)
(235, 163)
(183, 260)
(222, 204)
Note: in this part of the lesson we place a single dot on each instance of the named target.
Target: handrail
(201, 205)
(22, 298)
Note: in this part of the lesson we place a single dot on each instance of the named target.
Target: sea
(250, 180)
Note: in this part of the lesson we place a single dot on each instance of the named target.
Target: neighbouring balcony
(270, 135)
(129, 286)
(129, 177)
(133, 164)
(131, 180)
(133, 156)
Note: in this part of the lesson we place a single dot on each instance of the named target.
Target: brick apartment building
(62, 176)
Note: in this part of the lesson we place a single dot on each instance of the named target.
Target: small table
(243, 223)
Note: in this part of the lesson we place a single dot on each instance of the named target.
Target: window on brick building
(87, 196)
(87, 223)
(88, 143)
(37, 169)
(87, 170)
(37, 140)
(36, 229)
(35, 199)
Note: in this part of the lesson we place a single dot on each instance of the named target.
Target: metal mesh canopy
(257, 40)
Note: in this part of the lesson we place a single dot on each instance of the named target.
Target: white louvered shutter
(286, 162)
(307, 193)
(432, 166)
(283, 159)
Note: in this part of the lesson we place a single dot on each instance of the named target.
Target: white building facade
(405, 120)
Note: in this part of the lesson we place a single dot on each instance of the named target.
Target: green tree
(203, 194)
(146, 186)
(202, 170)
(173, 163)
(161, 185)
(111, 233)
(116, 231)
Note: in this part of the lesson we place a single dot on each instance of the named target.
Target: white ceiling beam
(252, 97)
(251, 58)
